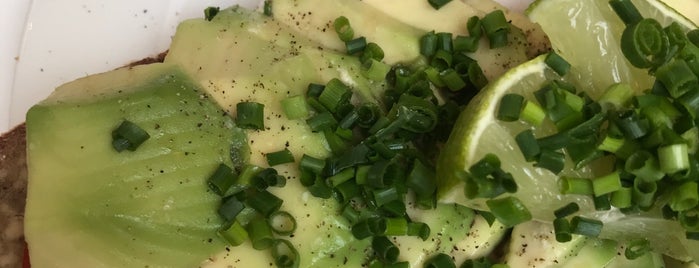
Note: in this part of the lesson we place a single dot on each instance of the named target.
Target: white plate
(49, 42)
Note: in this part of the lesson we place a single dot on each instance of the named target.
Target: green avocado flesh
(90, 206)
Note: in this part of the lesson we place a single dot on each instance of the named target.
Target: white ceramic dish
(49, 42)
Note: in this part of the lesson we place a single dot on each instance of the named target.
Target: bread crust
(13, 192)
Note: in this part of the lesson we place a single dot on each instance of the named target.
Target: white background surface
(46, 43)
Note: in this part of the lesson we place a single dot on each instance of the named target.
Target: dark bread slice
(13, 187)
(13, 191)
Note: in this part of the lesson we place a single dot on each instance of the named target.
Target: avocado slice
(91, 206)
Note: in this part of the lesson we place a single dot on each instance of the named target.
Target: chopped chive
(282, 223)
(532, 113)
(419, 229)
(235, 234)
(384, 196)
(321, 122)
(509, 210)
(476, 75)
(689, 219)
(316, 165)
(644, 193)
(267, 8)
(474, 27)
(673, 158)
(375, 70)
(356, 45)
(128, 136)
(441, 60)
(221, 180)
(452, 80)
(552, 160)
(566, 210)
(285, 254)
(572, 185)
(444, 42)
(341, 177)
(334, 94)
(606, 184)
(264, 202)
(230, 208)
(250, 115)
(211, 12)
(314, 90)
(260, 233)
(611, 144)
(557, 63)
(645, 45)
(439, 260)
(616, 96)
(690, 102)
(421, 179)
(372, 51)
(437, 4)
(343, 28)
(644, 165)
(586, 226)
(335, 142)
(496, 28)
(385, 249)
(428, 44)
(637, 248)
(626, 10)
(485, 166)
(510, 107)
(562, 230)
(465, 43)
(622, 198)
(279, 157)
(396, 226)
(685, 197)
(528, 145)
(675, 76)
(295, 107)
(602, 202)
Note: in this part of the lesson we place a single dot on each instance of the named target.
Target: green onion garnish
(334, 94)
(509, 210)
(561, 227)
(230, 208)
(210, 13)
(295, 107)
(285, 254)
(385, 249)
(356, 45)
(235, 234)
(221, 180)
(279, 157)
(510, 107)
(250, 115)
(585, 226)
(637, 248)
(128, 136)
(496, 28)
(626, 10)
(437, 4)
(282, 223)
(440, 260)
(557, 63)
(428, 44)
(260, 233)
(343, 29)
(566, 210)
(263, 202)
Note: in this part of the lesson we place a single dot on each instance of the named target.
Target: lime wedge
(587, 34)
(477, 132)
